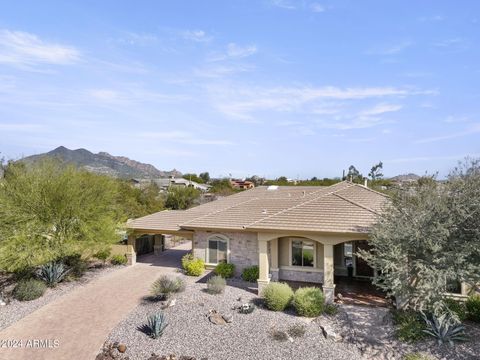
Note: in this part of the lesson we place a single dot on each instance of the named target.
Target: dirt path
(76, 325)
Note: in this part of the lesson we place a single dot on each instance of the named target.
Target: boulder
(228, 318)
(329, 333)
(122, 348)
(216, 318)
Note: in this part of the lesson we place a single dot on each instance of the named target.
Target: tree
(428, 238)
(205, 177)
(376, 171)
(49, 211)
(222, 187)
(193, 177)
(137, 202)
(354, 175)
(181, 198)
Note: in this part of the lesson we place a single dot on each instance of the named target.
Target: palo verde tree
(181, 198)
(428, 237)
(49, 211)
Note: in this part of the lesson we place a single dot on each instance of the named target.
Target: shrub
(408, 325)
(118, 260)
(277, 296)
(444, 329)
(457, 307)
(29, 289)
(279, 335)
(165, 286)
(216, 284)
(331, 309)
(250, 274)
(309, 301)
(193, 266)
(416, 356)
(103, 255)
(77, 265)
(52, 273)
(156, 325)
(473, 308)
(297, 330)
(225, 270)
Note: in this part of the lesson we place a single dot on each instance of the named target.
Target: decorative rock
(171, 302)
(2, 303)
(122, 348)
(216, 318)
(228, 318)
(329, 333)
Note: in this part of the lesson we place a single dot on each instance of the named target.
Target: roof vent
(264, 211)
(272, 187)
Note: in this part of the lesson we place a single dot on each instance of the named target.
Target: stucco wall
(243, 247)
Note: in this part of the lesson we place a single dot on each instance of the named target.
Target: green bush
(409, 325)
(331, 309)
(77, 265)
(250, 274)
(216, 284)
(473, 308)
(309, 301)
(277, 296)
(416, 356)
(193, 266)
(103, 254)
(457, 307)
(29, 289)
(225, 270)
(118, 260)
(165, 286)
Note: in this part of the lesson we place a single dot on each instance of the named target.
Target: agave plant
(52, 273)
(444, 328)
(156, 324)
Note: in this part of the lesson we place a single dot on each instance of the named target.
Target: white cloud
(237, 51)
(472, 130)
(391, 49)
(316, 7)
(182, 137)
(284, 4)
(20, 127)
(23, 49)
(381, 109)
(196, 35)
(133, 38)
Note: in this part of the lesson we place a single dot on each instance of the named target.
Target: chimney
(366, 183)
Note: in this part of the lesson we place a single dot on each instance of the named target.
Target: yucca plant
(52, 273)
(444, 328)
(156, 324)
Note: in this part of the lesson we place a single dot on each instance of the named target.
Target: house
(242, 184)
(165, 183)
(293, 233)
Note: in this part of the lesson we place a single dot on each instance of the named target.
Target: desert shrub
(225, 270)
(52, 273)
(193, 266)
(119, 260)
(279, 335)
(277, 296)
(473, 308)
(409, 325)
(457, 307)
(77, 265)
(156, 325)
(29, 289)
(309, 301)
(216, 284)
(103, 255)
(250, 274)
(330, 309)
(416, 356)
(166, 285)
(444, 329)
(297, 330)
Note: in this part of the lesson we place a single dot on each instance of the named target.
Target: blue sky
(267, 87)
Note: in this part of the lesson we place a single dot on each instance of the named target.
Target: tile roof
(343, 207)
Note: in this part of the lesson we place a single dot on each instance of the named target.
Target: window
(303, 253)
(217, 251)
(348, 254)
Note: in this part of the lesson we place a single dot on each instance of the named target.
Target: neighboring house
(291, 232)
(165, 183)
(242, 184)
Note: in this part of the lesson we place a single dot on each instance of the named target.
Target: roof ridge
(374, 191)
(218, 211)
(356, 203)
(302, 203)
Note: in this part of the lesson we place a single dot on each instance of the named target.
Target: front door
(362, 267)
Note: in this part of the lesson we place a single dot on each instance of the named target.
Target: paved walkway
(82, 319)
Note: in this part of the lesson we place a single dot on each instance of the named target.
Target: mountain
(103, 163)
(405, 178)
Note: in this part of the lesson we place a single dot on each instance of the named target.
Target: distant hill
(103, 163)
(405, 178)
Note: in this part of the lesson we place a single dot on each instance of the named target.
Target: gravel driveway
(247, 337)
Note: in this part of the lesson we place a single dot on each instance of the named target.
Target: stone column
(328, 270)
(274, 259)
(132, 251)
(158, 244)
(263, 266)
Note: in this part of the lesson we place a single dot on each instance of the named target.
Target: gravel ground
(249, 336)
(15, 310)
